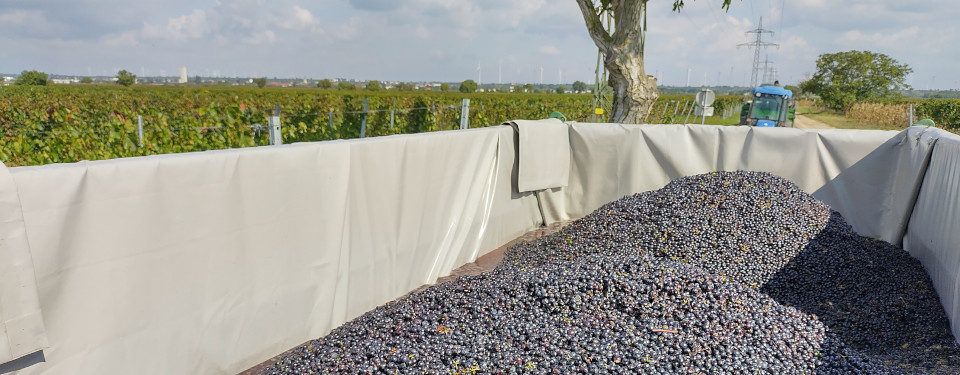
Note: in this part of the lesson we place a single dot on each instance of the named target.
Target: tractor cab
(769, 106)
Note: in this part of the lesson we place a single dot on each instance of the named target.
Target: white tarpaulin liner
(209, 263)
(933, 235)
(212, 262)
(21, 323)
(851, 170)
(544, 154)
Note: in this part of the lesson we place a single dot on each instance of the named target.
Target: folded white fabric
(544, 154)
(21, 324)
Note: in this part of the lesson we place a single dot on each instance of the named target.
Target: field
(891, 115)
(58, 124)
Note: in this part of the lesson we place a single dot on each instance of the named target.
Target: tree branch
(678, 4)
(591, 15)
(630, 28)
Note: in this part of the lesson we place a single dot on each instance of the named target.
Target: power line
(716, 15)
(780, 29)
(757, 45)
(769, 71)
(782, 7)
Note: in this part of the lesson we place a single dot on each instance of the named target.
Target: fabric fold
(544, 153)
(21, 323)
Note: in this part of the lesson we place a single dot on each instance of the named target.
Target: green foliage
(444, 87)
(343, 85)
(57, 124)
(797, 92)
(325, 84)
(678, 108)
(846, 78)
(605, 5)
(579, 86)
(406, 87)
(31, 78)
(468, 86)
(126, 78)
(678, 4)
(529, 88)
(944, 112)
(373, 85)
(86, 80)
(260, 82)
(561, 90)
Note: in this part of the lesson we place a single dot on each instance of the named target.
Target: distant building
(64, 81)
(183, 75)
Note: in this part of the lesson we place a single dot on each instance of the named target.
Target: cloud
(376, 5)
(874, 39)
(262, 37)
(126, 39)
(29, 23)
(350, 30)
(301, 18)
(190, 26)
(422, 32)
(549, 50)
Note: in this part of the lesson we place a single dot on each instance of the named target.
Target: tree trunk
(634, 92)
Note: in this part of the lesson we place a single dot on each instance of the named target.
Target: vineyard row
(42, 125)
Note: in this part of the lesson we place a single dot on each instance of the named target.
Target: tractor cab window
(766, 108)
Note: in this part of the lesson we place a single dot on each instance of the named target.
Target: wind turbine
(479, 74)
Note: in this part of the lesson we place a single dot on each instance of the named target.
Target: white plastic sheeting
(851, 170)
(21, 323)
(876, 195)
(933, 235)
(544, 154)
(212, 262)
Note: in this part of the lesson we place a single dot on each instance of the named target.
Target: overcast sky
(445, 40)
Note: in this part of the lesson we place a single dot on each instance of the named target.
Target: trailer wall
(933, 234)
(211, 262)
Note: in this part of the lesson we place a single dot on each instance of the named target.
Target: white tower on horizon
(183, 75)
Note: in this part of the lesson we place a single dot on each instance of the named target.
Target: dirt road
(804, 122)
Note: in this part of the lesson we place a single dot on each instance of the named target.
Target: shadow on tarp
(873, 296)
(876, 194)
(22, 362)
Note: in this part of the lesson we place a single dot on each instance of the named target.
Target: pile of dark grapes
(726, 272)
(743, 226)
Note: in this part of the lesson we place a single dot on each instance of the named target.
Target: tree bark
(634, 92)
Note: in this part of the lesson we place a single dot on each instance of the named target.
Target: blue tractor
(768, 106)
